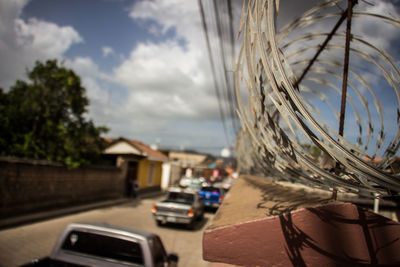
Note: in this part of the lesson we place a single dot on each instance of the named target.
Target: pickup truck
(106, 245)
(212, 196)
(181, 205)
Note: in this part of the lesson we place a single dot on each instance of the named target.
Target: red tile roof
(109, 139)
(147, 150)
(152, 154)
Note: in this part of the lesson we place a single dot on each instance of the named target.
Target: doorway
(131, 177)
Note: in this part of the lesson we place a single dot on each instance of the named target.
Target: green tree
(313, 150)
(44, 119)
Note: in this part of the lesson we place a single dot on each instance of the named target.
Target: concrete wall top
(261, 223)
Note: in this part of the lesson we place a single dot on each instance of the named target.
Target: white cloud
(9, 10)
(373, 29)
(45, 38)
(154, 29)
(24, 42)
(164, 80)
(107, 51)
(181, 15)
(167, 80)
(159, 66)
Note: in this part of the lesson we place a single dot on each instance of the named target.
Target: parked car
(106, 245)
(196, 183)
(212, 196)
(185, 182)
(180, 206)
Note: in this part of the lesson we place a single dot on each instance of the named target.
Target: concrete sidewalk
(43, 215)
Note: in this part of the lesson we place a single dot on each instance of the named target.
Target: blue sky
(144, 63)
(100, 23)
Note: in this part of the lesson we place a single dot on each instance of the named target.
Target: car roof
(117, 228)
(182, 190)
(212, 186)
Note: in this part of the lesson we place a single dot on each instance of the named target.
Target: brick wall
(28, 185)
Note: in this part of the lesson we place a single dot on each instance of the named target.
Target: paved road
(21, 244)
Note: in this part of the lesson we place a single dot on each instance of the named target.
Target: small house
(138, 161)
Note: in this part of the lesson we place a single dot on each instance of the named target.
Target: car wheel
(190, 226)
(201, 217)
(159, 223)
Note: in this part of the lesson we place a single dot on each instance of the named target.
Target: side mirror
(173, 257)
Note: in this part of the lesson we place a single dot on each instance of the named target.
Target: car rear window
(104, 246)
(214, 190)
(181, 197)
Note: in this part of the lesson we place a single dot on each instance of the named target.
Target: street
(21, 244)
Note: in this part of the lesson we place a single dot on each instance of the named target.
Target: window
(214, 190)
(181, 197)
(105, 247)
(159, 254)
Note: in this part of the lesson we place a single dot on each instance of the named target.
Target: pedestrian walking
(134, 185)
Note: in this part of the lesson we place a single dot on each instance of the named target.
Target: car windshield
(178, 197)
(106, 247)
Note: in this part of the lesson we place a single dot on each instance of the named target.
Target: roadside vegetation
(44, 118)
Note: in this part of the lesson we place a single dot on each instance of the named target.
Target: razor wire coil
(288, 100)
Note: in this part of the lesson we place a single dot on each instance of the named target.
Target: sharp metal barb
(287, 133)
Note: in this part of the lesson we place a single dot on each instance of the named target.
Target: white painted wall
(122, 148)
(166, 175)
(171, 172)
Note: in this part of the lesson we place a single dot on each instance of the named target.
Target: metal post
(376, 203)
(345, 77)
(322, 47)
(346, 66)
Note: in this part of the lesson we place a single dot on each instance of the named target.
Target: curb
(45, 215)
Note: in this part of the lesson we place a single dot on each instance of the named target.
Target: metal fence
(319, 98)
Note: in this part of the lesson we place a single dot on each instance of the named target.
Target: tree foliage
(44, 119)
(313, 150)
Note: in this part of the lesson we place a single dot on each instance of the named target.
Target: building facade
(140, 163)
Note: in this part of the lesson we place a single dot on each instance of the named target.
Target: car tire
(191, 225)
(159, 223)
(201, 217)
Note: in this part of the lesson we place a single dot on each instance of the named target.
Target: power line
(217, 19)
(232, 42)
(222, 54)
(217, 89)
